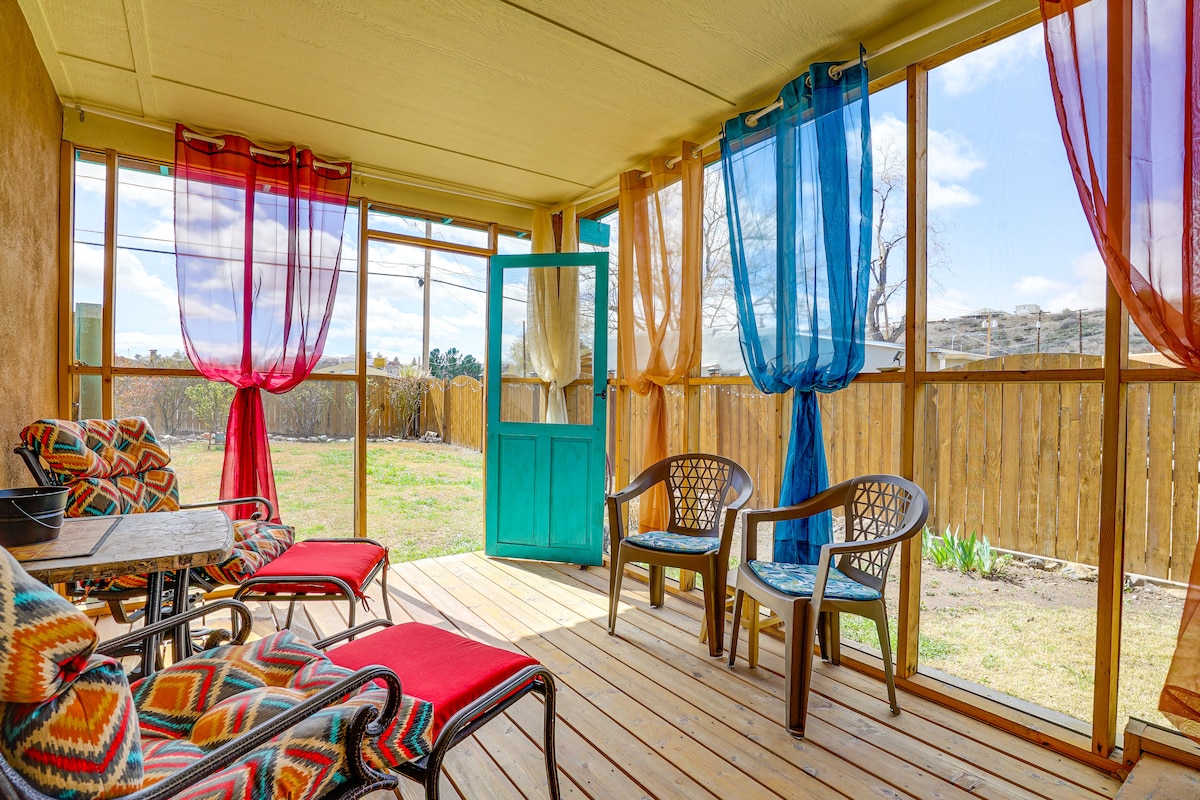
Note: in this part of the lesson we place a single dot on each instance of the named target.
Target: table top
(142, 543)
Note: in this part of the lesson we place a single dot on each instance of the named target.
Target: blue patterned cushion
(674, 542)
(800, 580)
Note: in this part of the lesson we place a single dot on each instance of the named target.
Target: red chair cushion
(350, 561)
(438, 666)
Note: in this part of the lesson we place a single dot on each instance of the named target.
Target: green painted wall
(30, 132)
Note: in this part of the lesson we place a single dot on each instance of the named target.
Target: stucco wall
(30, 132)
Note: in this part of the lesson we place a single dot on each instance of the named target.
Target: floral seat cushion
(800, 580)
(674, 542)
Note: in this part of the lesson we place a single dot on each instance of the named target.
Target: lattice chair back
(698, 488)
(878, 507)
(110, 466)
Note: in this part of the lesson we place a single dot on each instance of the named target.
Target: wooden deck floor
(648, 714)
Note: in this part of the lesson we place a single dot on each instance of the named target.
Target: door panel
(545, 482)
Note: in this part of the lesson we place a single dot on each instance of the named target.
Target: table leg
(154, 591)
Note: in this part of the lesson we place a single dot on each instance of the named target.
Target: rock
(1035, 563)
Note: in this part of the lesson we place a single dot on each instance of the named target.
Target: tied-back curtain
(258, 240)
(552, 314)
(658, 299)
(1145, 214)
(798, 196)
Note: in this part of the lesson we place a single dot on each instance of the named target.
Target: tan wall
(30, 131)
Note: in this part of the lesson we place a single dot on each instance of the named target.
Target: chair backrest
(877, 507)
(699, 486)
(111, 466)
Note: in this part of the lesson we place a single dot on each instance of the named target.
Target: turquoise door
(545, 481)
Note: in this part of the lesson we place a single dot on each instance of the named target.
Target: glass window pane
(1015, 281)
(524, 395)
(443, 229)
(1162, 454)
(88, 257)
(312, 450)
(146, 292)
(889, 232)
(1010, 470)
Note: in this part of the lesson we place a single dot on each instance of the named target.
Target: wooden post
(108, 311)
(1116, 351)
(691, 422)
(908, 626)
(426, 287)
(66, 286)
(360, 378)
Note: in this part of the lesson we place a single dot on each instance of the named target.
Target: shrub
(404, 395)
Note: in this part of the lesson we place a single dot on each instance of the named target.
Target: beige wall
(30, 131)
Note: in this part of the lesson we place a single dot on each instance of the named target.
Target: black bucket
(31, 515)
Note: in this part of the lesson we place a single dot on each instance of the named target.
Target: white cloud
(952, 161)
(976, 69)
(1082, 288)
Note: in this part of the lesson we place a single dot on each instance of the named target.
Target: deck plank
(647, 714)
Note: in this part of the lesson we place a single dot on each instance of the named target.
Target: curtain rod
(380, 176)
(836, 70)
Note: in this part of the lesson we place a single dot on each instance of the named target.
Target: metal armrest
(350, 633)
(172, 622)
(239, 501)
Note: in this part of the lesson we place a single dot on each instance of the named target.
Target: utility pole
(425, 284)
(1081, 331)
(1039, 333)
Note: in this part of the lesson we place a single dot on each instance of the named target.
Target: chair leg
(548, 739)
(835, 637)
(738, 598)
(387, 606)
(614, 592)
(885, 645)
(291, 611)
(753, 625)
(800, 631)
(658, 586)
(714, 611)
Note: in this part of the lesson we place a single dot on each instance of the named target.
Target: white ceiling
(540, 100)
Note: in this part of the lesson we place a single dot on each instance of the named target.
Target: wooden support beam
(360, 377)
(107, 311)
(1116, 351)
(908, 626)
(66, 297)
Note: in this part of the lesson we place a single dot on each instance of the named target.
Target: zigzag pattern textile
(82, 743)
(110, 466)
(44, 641)
(211, 698)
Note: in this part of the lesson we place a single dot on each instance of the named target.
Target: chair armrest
(640, 485)
(350, 633)
(364, 721)
(239, 501)
(827, 500)
(113, 646)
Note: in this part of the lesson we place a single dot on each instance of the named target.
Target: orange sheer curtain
(658, 301)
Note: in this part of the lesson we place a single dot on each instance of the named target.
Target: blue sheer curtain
(798, 196)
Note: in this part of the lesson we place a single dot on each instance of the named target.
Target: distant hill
(1061, 332)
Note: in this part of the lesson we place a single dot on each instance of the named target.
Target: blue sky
(1010, 225)
(1001, 194)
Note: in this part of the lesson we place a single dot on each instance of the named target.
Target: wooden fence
(1017, 462)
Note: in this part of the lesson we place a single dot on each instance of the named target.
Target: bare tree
(889, 237)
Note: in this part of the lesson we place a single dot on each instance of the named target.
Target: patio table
(150, 545)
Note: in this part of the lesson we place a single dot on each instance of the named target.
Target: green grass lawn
(423, 500)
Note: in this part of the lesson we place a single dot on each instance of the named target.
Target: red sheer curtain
(258, 239)
(1130, 133)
